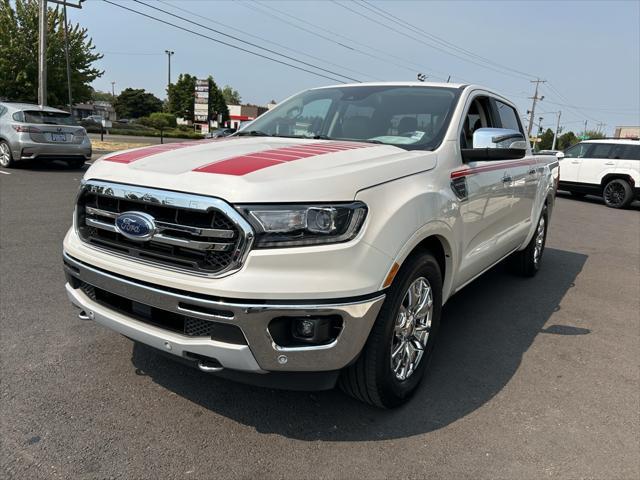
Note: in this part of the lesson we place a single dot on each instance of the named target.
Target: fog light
(305, 328)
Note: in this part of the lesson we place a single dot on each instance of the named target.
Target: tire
(6, 159)
(617, 193)
(527, 262)
(578, 194)
(372, 378)
(75, 163)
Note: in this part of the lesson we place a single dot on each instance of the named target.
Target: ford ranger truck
(317, 246)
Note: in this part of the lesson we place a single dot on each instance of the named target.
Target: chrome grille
(193, 233)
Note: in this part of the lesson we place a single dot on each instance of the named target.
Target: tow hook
(205, 366)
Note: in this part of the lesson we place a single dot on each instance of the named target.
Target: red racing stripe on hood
(251, 162)
(132, 156)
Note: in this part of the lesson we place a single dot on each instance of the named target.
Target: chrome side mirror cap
(499, 138)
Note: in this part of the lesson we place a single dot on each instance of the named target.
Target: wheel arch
(437, 243)
(613, 176)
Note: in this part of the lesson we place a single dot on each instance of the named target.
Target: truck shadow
(486, 329)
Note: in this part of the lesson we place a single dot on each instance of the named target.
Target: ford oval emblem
(136, 225)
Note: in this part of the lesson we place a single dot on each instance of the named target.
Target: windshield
(52, 118)
(411, 117)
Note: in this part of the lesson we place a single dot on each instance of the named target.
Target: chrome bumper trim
(253, 319)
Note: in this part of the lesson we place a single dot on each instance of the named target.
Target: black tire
(617, 193)
(371, 378)
(6, 158)
(76, 163)
(526, 262)
(578, 194)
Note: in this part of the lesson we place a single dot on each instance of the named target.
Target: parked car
(32, 132)
(609, 168)
(547, 152)
(324, 256)
(220, 132)
(97, 119)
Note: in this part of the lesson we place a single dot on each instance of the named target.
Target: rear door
(485, 189)
(599, 161)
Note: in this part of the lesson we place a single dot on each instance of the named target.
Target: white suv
(610, 168)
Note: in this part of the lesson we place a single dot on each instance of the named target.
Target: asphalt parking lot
(531, 378)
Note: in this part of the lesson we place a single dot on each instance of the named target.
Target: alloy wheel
(539, 245)
(411, 329)
(5, 155)
(614, 193)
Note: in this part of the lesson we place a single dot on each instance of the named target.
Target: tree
(594, 134)
(99, 96)
(180, 96)
(217, 104)
(566, 140)
(231, 96)
(19, 61)
(136, 103)
(546, 140)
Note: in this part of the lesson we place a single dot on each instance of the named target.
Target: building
(627, 132)
(243, 113)
(84, 110)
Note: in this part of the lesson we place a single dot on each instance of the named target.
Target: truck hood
(263, 169)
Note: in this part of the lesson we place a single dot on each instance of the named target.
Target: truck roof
(399, 84)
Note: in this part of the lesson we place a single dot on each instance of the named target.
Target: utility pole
(42, 54)
(66, 54)
(535, 99)
(585, 128)
(113, 89)
(42, 47)
(555, 134)
(169, 53)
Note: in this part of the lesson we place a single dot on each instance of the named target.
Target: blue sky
(589, 51)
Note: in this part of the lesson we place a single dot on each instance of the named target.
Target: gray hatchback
(33, 132)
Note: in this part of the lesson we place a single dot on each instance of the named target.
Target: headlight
(300, 225)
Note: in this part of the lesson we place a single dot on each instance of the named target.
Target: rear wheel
(6, 159)
(393, 361)
(617, 193)
(527, 262)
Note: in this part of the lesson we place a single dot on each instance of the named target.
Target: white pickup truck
(318, 247)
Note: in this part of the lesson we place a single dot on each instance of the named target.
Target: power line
(430, 45)
(222, 42)
(262, 39)
(311, 29)
(445, 43)
(247, 42)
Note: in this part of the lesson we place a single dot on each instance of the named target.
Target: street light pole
(66, 54)
(169, 53)
(113, 89)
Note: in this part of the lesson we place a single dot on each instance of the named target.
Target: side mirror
(560, 155)
(495, 144)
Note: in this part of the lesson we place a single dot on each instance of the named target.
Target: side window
(478, 116)
(601, 150)
(577, 151)
(508, 116)
(631, 152)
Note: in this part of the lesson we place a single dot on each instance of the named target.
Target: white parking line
(6, 173)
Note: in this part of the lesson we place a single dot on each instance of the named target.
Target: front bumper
(260, 354)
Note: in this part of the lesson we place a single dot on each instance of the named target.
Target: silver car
(32, 132)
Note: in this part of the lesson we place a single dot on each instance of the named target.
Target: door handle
(507, 179)
(532, 171)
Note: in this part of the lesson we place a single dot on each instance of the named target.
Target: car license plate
(58, 137)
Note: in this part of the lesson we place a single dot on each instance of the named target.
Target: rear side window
(602, 150)
(508, 116)
(631, 152)
(51, 118)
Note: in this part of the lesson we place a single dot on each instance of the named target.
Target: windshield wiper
(254, 133)
(321, 137)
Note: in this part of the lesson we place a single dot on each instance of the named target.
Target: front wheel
(527, 262)
(617, 193)
(394, 359)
